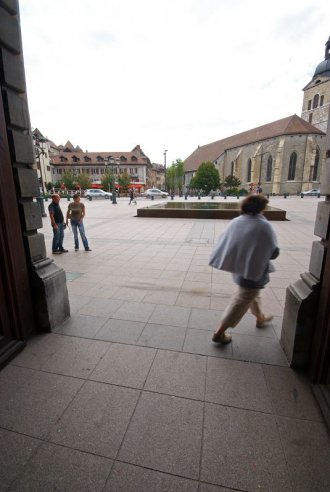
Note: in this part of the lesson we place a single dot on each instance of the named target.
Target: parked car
(156, 193)
(313, 192)
(95, 193)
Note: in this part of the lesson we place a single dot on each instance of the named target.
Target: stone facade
(46, 282)
(284, 156)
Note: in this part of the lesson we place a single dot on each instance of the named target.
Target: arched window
(316, 165)
(315, 101)
(249, 171)
(292, 166)
(269, 168)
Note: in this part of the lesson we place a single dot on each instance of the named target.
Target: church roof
(292, 125)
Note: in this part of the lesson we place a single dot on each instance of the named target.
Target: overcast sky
(166, 74)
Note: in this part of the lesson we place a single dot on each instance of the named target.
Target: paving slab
(238, 384)
(77, 357)
(129, 478)
(199, 342)
(175, 424)
(242, 450)
(54, 468)
(39, 349)
(258, 349)
(124, 365)
(178, 374)
(162, 336)
(80, 325)
(291, 393)
(97, 419)
(16, 450)
(121, 331)
(31, 401)
(307, 450)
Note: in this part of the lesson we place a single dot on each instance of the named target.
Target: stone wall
(47, 281)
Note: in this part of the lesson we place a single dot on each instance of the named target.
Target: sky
(166, 74)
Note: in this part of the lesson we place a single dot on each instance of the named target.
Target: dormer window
(87, 159)
(75, 158)
(99, 158)
(133, 158)
(123, 158)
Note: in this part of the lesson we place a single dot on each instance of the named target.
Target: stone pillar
(278, 164)
(47, 281)
(302, 297)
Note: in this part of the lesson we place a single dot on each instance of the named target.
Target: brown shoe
(221, 338)
(263, 321)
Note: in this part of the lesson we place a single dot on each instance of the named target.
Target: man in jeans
(76, 212)
(57, 221)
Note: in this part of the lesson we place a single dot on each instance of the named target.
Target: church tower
(316, 105)
(316, 110)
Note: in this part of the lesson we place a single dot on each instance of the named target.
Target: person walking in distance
(76, 212)
(131, 195)
(245, 249)
(57, 221)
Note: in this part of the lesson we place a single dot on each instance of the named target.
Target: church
(284, 156)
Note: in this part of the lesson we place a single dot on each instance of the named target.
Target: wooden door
(16, 313)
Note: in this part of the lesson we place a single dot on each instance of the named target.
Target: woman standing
(76, 213)
(245, 249)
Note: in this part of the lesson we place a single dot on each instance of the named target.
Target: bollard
(237, 197)
(284, 195)
(225, 197)
(68, 198)
(172, 197)
(185, 197)
(318, 195)
(90, 198)
(301, 195)
(199, 196)
(152, 197)
(267, 196)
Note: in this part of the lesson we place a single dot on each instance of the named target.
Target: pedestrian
(57, 221)
(131, 195)
(245, 249)
(76, 213)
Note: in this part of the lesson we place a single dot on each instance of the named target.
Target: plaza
(130, 394)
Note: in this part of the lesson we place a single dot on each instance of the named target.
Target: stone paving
(130, 394)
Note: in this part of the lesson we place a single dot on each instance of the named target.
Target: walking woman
(245, 249)
(76, 213)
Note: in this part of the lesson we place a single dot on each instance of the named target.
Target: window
(292, 166)
(321, 100)
(309, 104)
(315, 101)
(232, 168)
(316, 165)
(269, 168)
(310, 118)
(249, 171)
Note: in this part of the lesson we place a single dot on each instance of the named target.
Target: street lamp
(165, 168)
(116, 162)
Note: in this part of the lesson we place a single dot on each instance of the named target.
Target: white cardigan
(245, 247)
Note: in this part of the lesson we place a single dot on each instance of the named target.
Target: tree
(206, 178)
(84, 181)
(124, 180)
(108, 180)
(232, 184)
(68, 179)
(175, 176)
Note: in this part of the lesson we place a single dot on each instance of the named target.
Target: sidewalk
(131, 395)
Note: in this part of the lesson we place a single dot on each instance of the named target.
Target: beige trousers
(240, 302)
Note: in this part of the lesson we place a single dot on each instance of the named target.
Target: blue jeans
(76, 224)
(58, 236)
